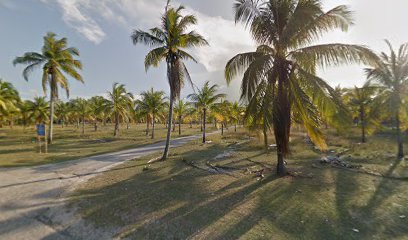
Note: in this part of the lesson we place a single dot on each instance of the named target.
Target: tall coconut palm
(56, 60)
(367, 106)
(181, 110)
(205, 100)
(169, 42)
(119, 105)
(392, 74)
(39, 110)
(285, 30)
(152, 104)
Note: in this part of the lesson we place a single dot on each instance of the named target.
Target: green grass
(172, 200)
(18, 146)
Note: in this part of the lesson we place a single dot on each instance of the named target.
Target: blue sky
(101, 30)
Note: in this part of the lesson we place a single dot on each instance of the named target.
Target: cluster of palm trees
(279, 86)
(121, 107)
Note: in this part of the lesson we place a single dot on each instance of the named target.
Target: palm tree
(181, 110)
(61, 112)
(237, 111)
(222, 113)
(97, 104)
(9, 98)
(152, 104)
(392, 75)
(56, 58)
(259, 111)
(24, 112)
(169, 41)
(83, 108)
(367, 106)
(205, 100)
(39, 110)
(286, 59)
(119, 104)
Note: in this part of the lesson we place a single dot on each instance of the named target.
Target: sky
(101, 30)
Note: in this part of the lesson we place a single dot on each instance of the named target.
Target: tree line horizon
(279, 86)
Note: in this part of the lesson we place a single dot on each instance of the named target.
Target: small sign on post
(42, 134)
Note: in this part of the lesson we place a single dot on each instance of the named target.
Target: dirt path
(32, 198)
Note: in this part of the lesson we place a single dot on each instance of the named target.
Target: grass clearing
(173, 200)
(18, 146)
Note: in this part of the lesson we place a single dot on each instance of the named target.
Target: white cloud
(76, 16)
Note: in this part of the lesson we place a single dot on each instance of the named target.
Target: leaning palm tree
(205, 100)
(56, 58)
(169, 41)
(152, 104)
(366, 105)
(119, 105)
(392, 74)
(181, 110)
(284, 31)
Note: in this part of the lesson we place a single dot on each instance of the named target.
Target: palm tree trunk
(170, 118)
(83, 125)
(191, 124)
(399, 136)
(235, 128)
(96, 126)
(222, 129)
(147, 126)
(179, 124)
(51, 126)
(201, 122)
(281, 124)
(153, 126)
(362, 117)
(204, 120)
(265, 135)
(116, 131)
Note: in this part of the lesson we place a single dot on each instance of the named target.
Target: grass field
(18, 146)
(183, 198)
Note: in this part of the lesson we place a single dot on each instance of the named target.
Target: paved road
(32, 198)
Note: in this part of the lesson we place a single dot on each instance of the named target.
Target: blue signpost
(41, 130)
(41, 133)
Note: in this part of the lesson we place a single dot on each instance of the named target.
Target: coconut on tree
(287, 60)
(57, 61)
(392, 75)
(205, 100)
(169, 41)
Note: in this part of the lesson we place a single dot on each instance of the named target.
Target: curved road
(32, 201)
